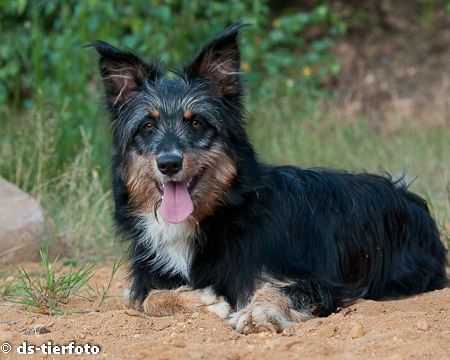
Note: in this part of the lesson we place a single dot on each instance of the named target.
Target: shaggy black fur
(332, 235)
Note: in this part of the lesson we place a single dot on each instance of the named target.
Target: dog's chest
(169, 246)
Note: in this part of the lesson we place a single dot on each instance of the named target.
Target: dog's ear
(219, 62)
(123, 73)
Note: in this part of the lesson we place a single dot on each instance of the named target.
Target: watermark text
(49, 348)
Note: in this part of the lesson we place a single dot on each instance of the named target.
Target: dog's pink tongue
(176, 203)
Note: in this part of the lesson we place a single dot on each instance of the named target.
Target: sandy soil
(413, 328)
(396, 77)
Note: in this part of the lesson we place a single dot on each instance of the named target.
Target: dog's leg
(184, 300)
(276, 305)
(269, 310)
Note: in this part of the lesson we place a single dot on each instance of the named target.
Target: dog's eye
(196, 123)
(148, 126)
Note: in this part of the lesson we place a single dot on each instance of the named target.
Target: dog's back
(362, 228)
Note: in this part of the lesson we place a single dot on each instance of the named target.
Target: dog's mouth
(177, 203)
(190, 184)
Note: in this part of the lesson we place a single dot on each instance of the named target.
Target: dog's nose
(169, 164)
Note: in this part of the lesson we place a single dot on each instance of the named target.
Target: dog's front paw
(259, 318)
(269, 310)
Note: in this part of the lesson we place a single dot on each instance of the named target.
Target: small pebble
(234, 335)
(132, 312)
(345, 311)
(286, 332)
(37, 329)
(422, 325)
(357, 331)
(264, 334)
(179, 344)
(41, 330)
(195, 315)
(233, 356)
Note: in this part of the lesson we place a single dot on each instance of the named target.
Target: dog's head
(174, 137)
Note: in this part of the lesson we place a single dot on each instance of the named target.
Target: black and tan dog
(210, 227)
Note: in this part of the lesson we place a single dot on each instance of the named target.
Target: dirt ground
(395, 76)
(413, 328)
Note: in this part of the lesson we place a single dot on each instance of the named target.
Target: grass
(49, 291)
(8, 286)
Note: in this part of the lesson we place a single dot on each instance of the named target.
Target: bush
(41, 40)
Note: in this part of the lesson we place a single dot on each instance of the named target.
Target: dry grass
(73, 197)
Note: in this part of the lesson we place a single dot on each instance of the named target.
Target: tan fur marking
(169, 303)
(184, 300)
(188, 114)
(154, 112)
(218, 172)
(140, 183)
(268, 296)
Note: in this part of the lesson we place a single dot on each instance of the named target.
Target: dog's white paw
(259, 318)
(215, 304)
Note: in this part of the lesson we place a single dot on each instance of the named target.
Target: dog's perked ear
(123, 73)
(219, 62)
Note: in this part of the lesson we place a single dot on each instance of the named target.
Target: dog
(212, 228)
